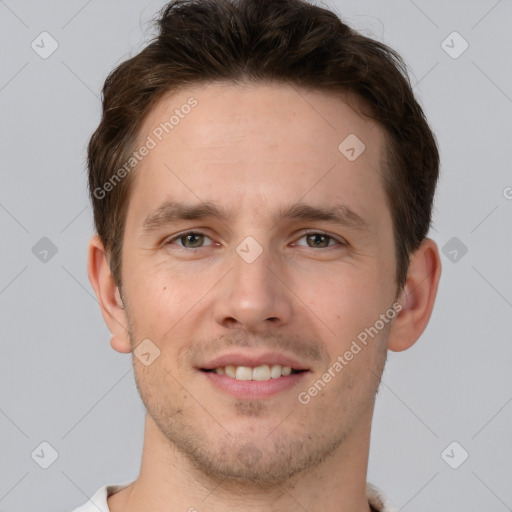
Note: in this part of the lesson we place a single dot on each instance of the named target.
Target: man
(262, 182)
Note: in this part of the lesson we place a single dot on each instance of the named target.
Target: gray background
(61, 382)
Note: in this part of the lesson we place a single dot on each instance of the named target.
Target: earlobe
(108, 295)
(417, 298)
(119, 344)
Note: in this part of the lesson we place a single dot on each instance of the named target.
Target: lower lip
(254, 389)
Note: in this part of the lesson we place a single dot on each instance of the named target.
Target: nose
(253, 296)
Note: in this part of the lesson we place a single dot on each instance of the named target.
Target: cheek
(159, 389)
(356, 337)
(346, 301)
(164, 295)
(166, 309)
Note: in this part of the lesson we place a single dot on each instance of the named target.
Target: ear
(108, 295)
(417, 297)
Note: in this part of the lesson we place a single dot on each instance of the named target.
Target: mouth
(249, 376)
(260, 373)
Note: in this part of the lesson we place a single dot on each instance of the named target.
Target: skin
(254, 149)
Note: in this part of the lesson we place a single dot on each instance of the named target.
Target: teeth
(231, 371)
(243, 373)
(260, 373)
(275, 371)
(286, 370)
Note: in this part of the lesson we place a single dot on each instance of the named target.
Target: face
(251, 241)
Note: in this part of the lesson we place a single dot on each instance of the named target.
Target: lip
(253, 360)
(252, 389)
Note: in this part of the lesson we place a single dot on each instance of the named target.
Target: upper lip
(253, 360)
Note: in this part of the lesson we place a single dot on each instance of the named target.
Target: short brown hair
(266, 41)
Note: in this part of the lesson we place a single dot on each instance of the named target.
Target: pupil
(316, 239)
(190, 239)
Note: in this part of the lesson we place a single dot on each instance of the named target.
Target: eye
(197, 240)
(320, 240)
(190, 240)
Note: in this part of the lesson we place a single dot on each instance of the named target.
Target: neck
(167, 478)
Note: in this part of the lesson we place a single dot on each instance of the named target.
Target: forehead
(320, 119)
(259, 146)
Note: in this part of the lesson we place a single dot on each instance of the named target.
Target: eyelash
(338, 241)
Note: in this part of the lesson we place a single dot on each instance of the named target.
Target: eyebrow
(171, 212)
